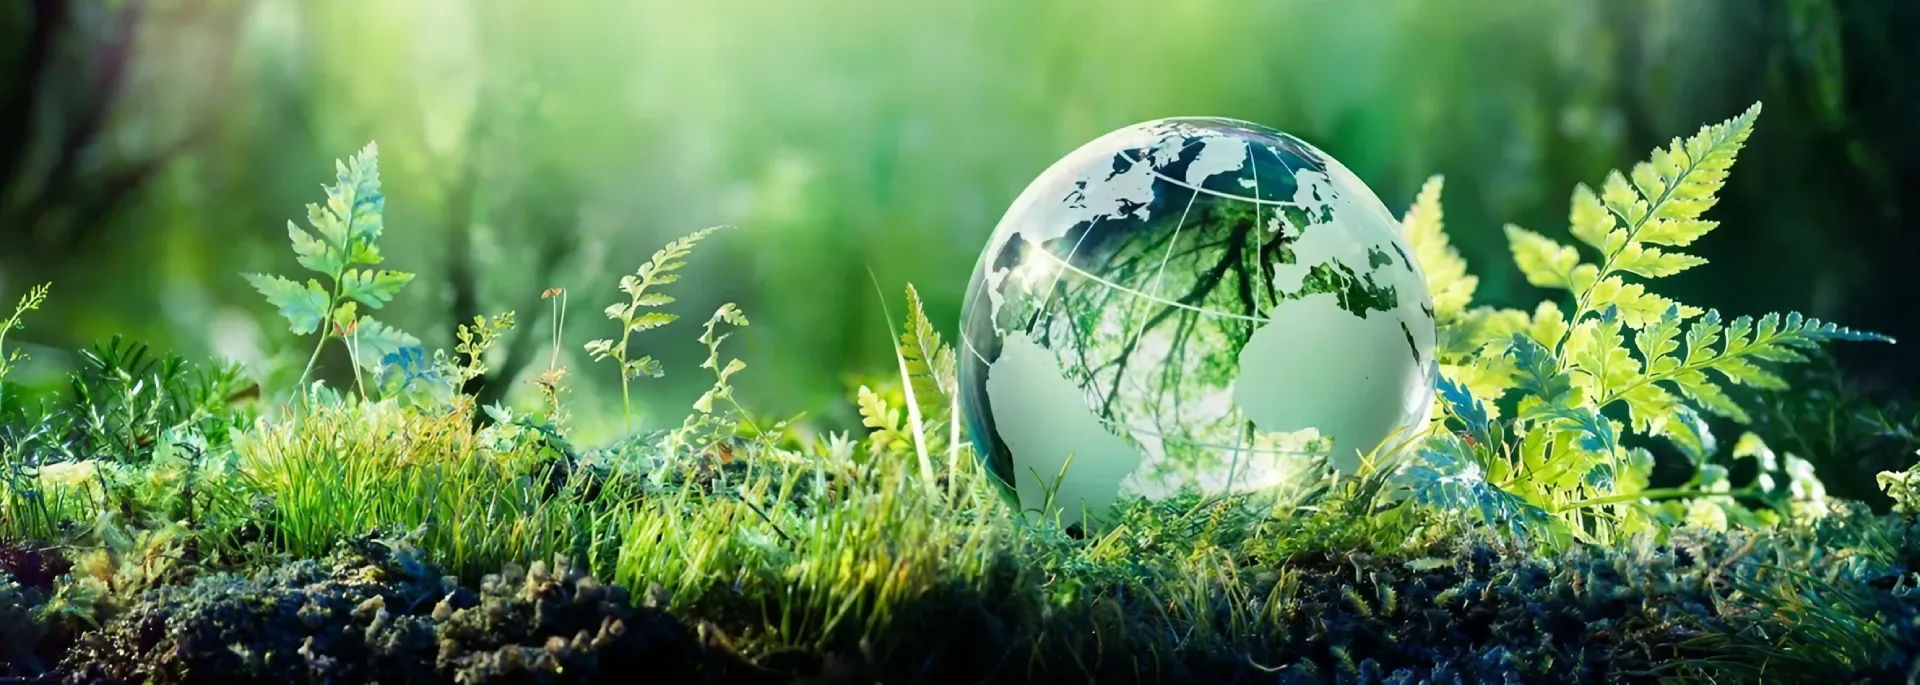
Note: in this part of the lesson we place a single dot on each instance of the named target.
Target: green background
(152, 151)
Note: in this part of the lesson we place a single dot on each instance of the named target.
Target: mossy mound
(1833, 601)
(372, 612)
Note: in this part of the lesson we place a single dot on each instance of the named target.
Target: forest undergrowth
(170, 521)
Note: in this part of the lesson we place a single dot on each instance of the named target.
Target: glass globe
(1190, 304)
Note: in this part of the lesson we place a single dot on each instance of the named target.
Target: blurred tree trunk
(62, 176)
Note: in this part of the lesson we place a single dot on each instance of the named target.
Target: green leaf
(644, 366)
(314, 253)
(1674, 232)
(373, 288)
(362, 175)
(1547, 324)
(332, 227)
(1744, 372)
(651, 320)
(1545, 263)
(1697, 387)
(1447, 477)
(1445, 271)
(731, 313)
(733, 366)
(1650, 408)
(1638, 308)
(1658, 341)
(704, 405)
(305, 307)
(1589, 220)
(1599, 352)
(1537, 372)
(876, 414)
(1621, 199)
(1651, 262)
(600, 349)
(1471, 412)
(1700, 339)
(371, 341)
(929, 362)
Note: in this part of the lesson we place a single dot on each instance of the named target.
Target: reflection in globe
(1190, 303)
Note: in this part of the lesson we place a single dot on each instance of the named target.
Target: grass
(868, 559)
(844, 560)
(810, 555)
(344, 469)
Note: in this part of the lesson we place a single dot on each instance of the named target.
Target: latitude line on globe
(1183, 184)
(1048, 298)
(1155, 298)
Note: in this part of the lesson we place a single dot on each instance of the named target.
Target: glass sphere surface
(1190, 304)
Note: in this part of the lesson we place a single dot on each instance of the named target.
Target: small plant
(1559, 455)
(1904, 488)
(31, 301)
(551, 380)
(658, 271)
(348, 226)
(125, 399)
(345, 469)
(436, 384)
(717, 428)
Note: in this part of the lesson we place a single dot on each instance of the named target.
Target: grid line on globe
(1135, 310)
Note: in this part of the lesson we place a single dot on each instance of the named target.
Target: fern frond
(1446, 272)
(657, 271)
(722, 389)
(1543, 261)
(888, 435)
(1659, 206)
(930, 362)
(1448, 478)
(31, 301)
(1772, 338)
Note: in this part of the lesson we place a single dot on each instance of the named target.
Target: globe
(1190, 305)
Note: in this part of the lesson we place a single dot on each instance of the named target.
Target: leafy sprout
(345, 237)
(639, 288)
(31, 301)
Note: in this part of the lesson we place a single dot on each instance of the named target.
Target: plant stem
(1656, 494)
(626, 401)
(310, 360)
(333, 301)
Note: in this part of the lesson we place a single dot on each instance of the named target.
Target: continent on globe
(1190, 304)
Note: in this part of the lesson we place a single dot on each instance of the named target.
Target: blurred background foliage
(151, 150)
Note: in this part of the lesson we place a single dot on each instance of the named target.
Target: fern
(887, 436)
(1622, 345)
(1447, 278)
(721, 390)
(31, 301)
(638, 287)
(707, 427)
(1903, 487)
(348, 228)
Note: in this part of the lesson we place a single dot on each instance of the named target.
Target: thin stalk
(332, 301)
(1658, 494)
